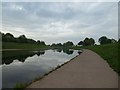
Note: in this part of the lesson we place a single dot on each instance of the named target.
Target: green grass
(12, 45)
(108, 52)
(20, 86)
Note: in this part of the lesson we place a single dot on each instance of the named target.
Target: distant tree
(22, 39)
(8, 37)
(69, 43)
(119, 40)
(59, 44)
(81, 43)
(113, 41)
(104, 40)
(109, 41)
(38, 42)
(53, 45)
(88, 42)
(31, 41)
(42, 43)
(92, 41)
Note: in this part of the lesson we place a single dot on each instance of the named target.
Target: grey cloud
(55, 22)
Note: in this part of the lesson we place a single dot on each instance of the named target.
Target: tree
(59, 44)
(81, 43)
(42, 43)
(92, 41)
(88, 41)
(113, 41)
(8, 37)
(53, 45)
(68, 43)
(119, 40)
(22, 39)
(38, 42)
(104, 40)
(31, 41)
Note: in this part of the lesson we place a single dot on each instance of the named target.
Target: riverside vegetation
(108, 48)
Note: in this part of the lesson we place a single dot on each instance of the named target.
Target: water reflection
(59, 50)
(68, 51)
(10, 56)
(80, 51)
(36, 64)
(40, 53)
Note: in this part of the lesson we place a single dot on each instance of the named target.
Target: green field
(108, 52)
(12, 45)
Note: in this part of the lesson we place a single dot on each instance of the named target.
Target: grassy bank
(108, 52)
(12, 45)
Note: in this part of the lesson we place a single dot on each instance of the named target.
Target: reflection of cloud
(60, 22)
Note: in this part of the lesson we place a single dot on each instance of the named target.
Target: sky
(55, 22)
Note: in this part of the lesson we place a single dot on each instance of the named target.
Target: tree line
(102, 40)
(66, 44)
(8, 37)
(87, 42)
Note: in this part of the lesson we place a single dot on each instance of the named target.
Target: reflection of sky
(19, 72)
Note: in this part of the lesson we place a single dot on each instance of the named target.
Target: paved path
(88, 70)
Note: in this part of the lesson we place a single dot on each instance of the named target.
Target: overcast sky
(60, 22)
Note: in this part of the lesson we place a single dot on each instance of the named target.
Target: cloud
(60, 22)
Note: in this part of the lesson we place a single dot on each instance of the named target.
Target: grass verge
(25, 46)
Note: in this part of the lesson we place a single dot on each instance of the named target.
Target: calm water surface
(25, 66)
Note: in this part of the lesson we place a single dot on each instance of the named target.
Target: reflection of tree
(7, 61)
(59, 50)
(80, 51)
(22, 59)
(40, 53)
(67, 51)
(9, 58)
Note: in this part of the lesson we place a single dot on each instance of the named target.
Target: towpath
(88, 70)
